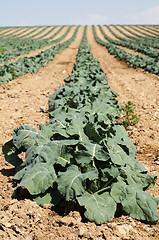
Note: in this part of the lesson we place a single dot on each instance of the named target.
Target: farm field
(34, 63)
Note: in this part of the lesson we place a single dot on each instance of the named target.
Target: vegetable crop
(9, 71)
(147, 63)
(80, 155)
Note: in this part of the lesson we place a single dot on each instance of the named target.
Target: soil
(25, 101)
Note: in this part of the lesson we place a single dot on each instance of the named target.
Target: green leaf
(118, 155)
(51, 197)
(99, 208)
(146, 180)
(76, 126)
(72, 182)
(117, 191)
(122, 138)
(139, 204)
(38, 178)
(92, 133)
(87, 152)
(10, 153)
(50, 152)
(22, 132)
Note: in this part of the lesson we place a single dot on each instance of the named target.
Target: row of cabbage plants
(135, 45)
(32, 64)
(23, 46)
(151, 42)
(81, 156)
(147, 63)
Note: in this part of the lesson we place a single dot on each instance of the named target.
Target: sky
(78, 12)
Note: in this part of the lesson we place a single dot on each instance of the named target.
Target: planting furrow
(149, 42)
(34, 32)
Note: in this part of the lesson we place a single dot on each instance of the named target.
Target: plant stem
(105, 187)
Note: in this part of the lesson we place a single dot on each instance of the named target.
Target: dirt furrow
(118, 32)
(17, 32)
(148, 28)
(42, 33)
(123, 29)
(52, 33)
(27, 32)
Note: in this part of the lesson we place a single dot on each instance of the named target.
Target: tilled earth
(25, 101)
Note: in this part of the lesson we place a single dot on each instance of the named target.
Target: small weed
(1, 49)
(128, 116)
(12, 72)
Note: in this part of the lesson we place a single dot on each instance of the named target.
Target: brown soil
(28, 30)
(118, 32)
(25, 101)
(52, 33)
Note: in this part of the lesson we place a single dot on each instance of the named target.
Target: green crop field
(83, 154)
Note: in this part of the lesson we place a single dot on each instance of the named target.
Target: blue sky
(60, 12)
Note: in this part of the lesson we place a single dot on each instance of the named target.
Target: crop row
(135, 45)
(13, 34)
(146, 41)
(139, 30)
(149, 64)
(23, 46)
(32, 64)
(148, 30)
(81, 155)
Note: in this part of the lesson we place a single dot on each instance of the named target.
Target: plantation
(78, 158)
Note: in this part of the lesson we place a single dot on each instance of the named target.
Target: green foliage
(128, 116)
(133, 60)
(32, 64)
(1, 49)
(80, 155)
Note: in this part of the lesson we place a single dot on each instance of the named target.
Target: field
(31, 69)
